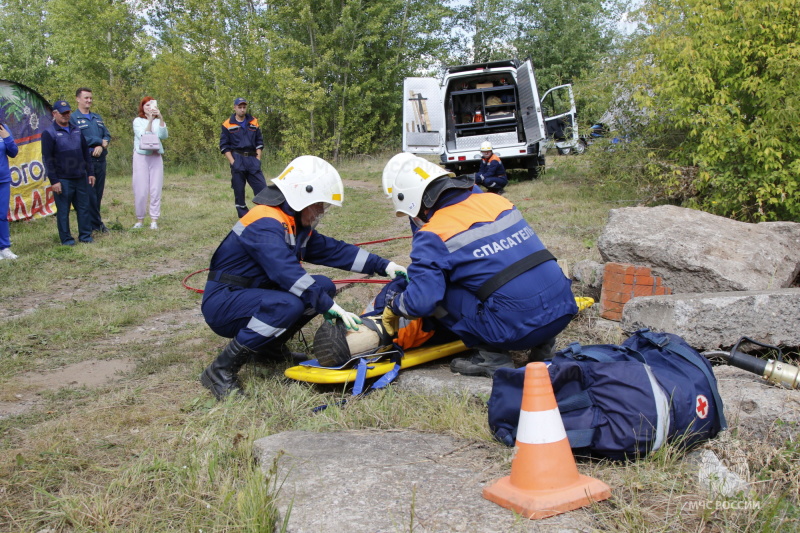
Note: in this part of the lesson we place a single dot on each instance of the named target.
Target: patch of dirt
(93, 373)
(76, 290)
(29, 387)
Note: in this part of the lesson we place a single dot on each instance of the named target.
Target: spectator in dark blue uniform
(67, 159)
(492, 173)
(8, 148)
(241, 142)
(97, 137)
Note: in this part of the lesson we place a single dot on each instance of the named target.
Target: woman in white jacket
(148, 165)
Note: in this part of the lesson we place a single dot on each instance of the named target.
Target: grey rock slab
(760, 410)
(694, 251)
(715, 320)
(437, 379)
(387, 481)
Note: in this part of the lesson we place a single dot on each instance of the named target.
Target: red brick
(611, 315)
(650, 281)
(617, 297)
(646, 290)
(641, 271)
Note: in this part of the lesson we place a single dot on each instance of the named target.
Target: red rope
(340, 281)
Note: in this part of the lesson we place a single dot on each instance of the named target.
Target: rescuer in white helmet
(258, 294)
(492, 173)
(478, 268)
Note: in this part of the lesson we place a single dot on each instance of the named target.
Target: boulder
(368, 481)
(717, 320)
(694, 251)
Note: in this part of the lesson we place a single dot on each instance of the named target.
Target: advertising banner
(27, 115)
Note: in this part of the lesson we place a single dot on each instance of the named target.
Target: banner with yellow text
(27, 115)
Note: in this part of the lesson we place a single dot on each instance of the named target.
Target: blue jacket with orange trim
(467, 240)
(492, 173)
(235, 137)
(267, 245)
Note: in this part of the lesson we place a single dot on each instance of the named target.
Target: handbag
(149, 141)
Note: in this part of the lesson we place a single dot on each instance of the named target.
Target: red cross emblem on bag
(701, 406)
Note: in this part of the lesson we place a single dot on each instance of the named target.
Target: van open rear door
(558, 105)
(423, 116)
(529, 105)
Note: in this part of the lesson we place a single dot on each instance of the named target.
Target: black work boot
(220, 376)
(542, 352)
(483, 363)
(272, 352)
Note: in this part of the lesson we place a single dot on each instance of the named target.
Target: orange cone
(544, 478)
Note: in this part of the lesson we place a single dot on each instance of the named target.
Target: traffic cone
(544, 478)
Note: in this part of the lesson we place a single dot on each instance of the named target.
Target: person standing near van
(492, 173)
(241, 142)
(97, 137)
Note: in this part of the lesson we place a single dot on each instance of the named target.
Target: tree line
(322, 76)
(706, 88)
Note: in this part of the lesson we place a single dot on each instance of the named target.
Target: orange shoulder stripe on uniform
(227, 124)
(495, 157)
(254, 122)
(267, 211)
(454, 219)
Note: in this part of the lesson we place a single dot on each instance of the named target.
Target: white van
(497, 101)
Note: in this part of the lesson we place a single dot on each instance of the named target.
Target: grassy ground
(153, 451)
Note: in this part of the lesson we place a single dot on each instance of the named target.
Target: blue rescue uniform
(492, 174)
(467, 240)
(95, 132)
(8, 148)
(67, 161)
(242, 140)
(263, 252)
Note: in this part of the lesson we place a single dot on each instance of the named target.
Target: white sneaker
(138, 225)
(153, 225)
(7, 254)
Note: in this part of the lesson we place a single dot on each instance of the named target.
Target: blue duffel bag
(621, 401)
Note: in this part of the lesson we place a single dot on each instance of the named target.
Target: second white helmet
(409, 184)
(402, 162)
(486, 146)
(309, 179)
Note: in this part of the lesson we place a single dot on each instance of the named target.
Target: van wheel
(580, 147)
(565, 151)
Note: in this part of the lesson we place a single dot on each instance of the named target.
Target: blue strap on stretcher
(361, 378)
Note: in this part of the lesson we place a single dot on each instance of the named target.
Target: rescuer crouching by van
(478, 268)
(492, 173)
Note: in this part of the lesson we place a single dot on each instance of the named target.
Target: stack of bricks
(623, 281)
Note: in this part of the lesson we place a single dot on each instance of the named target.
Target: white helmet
(402, 162)
(308, 180)
(486, 146)
(410, 183)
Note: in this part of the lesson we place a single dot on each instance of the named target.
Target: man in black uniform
(241, 142)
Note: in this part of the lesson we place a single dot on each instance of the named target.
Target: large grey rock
(385, 481)
(693, 251)
(760, 411)
(717, 320)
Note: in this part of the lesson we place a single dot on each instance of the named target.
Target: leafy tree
(23, 49)
(721, 77)
(564, 39)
